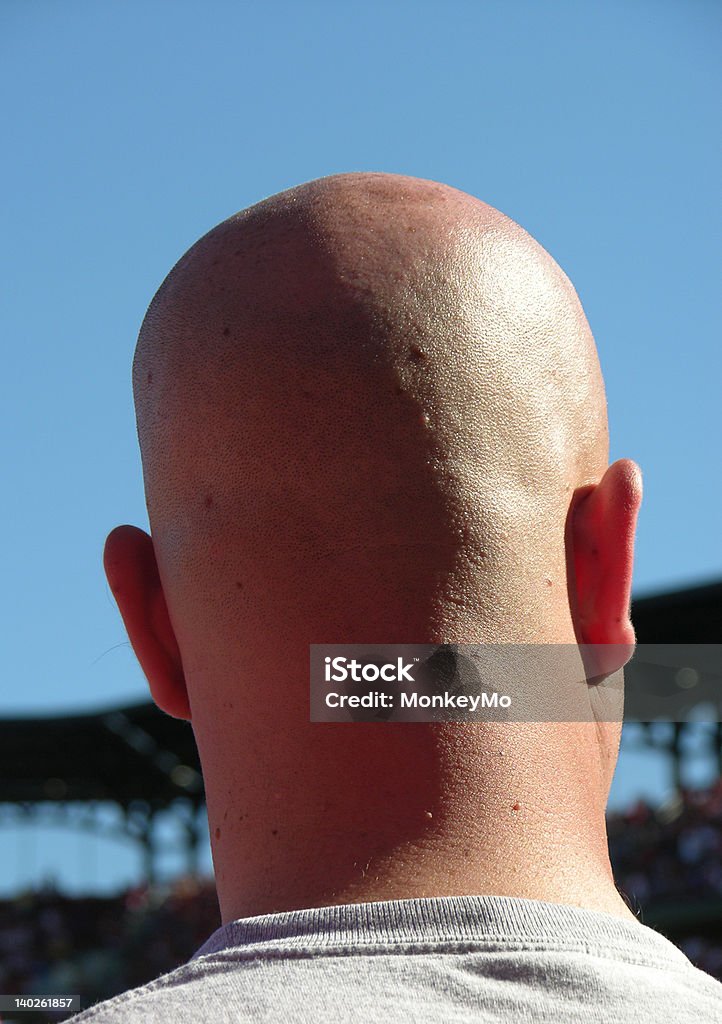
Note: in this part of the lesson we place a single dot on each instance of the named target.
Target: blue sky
(130, 129)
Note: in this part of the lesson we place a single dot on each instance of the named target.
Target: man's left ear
(133, 577)
(602, 523)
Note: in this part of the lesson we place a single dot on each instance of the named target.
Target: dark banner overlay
(516, 682)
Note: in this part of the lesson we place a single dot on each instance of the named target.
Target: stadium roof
(123, 754)
(139, 753)
(690, 616)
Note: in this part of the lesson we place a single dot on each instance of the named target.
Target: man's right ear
(132, 573)
(601, 529)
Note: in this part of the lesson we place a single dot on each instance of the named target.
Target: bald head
(370, 411)
(367, 387)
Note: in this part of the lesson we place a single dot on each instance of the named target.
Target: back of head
(363, 407)
(366, 407)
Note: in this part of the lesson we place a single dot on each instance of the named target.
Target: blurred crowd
(669, 857)
(99, 946)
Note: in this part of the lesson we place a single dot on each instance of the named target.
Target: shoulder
(179, 996)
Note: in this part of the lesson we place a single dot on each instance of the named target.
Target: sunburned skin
(370, 410)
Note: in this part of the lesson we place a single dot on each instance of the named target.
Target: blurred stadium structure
(667, 860)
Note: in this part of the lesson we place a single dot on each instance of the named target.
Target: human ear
(133, 577)
(601, 529)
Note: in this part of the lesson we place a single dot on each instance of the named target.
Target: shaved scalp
(363, 406)
(370, 410)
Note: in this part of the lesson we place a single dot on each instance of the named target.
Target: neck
(350, 814)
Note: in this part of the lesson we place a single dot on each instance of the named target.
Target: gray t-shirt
(442, 959)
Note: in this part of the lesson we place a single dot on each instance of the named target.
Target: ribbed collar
(481, 922)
